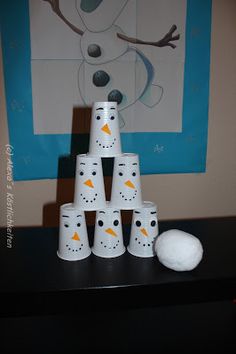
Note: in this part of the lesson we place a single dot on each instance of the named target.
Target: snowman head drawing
(144, 230)
(73, 238)
(104, 132)
(89, 184)
(94, 13)
(126, 185)
(108, 236)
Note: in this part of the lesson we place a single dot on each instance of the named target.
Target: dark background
(187, 329)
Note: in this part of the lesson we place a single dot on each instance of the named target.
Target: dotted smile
(129, 199)
(75, 237)
(89, 184)
(132, 186)
(74, 249)
(148, 244)
(106, 146)
(89, 200)
(110, 247)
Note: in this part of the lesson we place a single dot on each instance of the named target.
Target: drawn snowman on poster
(104, 48)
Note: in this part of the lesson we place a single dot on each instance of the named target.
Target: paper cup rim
(100, 154)
(124, 207)
(108, 205)
(76, 259)
(109, 256)
(140, 255)
(91, 208)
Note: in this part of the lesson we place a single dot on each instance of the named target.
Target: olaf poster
(150, 57)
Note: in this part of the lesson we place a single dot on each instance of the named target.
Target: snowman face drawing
(73, 238)
(126, 185)
(144, 230)
(94, 14)
(108, 238)
(89, 184)
(104, 132)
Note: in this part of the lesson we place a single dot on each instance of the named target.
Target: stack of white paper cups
(73, 237)
(89, 195)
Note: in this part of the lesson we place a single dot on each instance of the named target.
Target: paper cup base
(124, 207)
(87, 208)
(104, 155)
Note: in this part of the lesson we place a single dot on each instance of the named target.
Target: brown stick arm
(56, 8)
(164, 42)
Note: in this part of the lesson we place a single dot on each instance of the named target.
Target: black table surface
(33, 280)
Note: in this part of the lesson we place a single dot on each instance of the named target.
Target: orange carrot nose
(75, 237)
(129, 184)
(106, 129)
(144, 232)
(111, 232)
(89, 183)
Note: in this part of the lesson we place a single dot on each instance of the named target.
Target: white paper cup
(144, 230)
(73, 237)
(104, 132)
(108, 236)
(126, 185)
(89, 183)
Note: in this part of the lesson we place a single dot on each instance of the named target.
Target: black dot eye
(133, 174)
(120, 173)
(100, 222)
(79, 224)
(94, 173)
(66, 225)
(81, 173)
(98, 117)
(112, 117)
(116, 222)
(138, 223)
(153, 223)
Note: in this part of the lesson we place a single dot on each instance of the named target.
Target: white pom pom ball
(178, 250)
